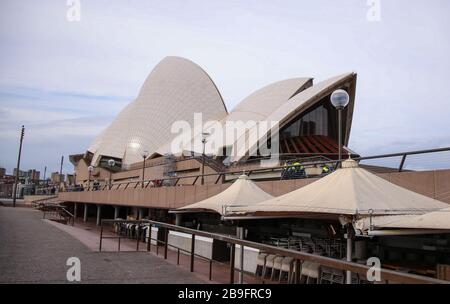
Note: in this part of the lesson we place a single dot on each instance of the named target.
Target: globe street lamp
(111, 164)
(204, 136)
(339, 99)
(144, 156)
(90, 170)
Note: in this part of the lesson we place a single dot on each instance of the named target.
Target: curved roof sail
(174, 90)
(243, 192)
(296, 105)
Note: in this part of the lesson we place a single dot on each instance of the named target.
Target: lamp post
(90, 169)
(144, 156)
(111, 164)
(339, 99)
(16, 179)
(204, 136)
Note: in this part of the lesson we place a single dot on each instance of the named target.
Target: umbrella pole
(349, 252)
(240, 232)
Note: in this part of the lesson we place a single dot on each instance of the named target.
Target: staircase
(53, 210)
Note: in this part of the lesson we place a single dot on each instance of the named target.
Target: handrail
(60, 210)
(386, 275)
(176, 180)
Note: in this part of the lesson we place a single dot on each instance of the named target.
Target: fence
(387, 276)
(223, 176)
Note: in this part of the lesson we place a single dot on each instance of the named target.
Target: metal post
(402, 163)
(349, 252)
(192, 252)
(143, 173)
(101, 237)
(60, 170)
(240, 232)
(75, 210)
(99, 214)
(210, 269)
(203, 162)
(232, 254)
(166, 241)
(16, 179)
(110, 179)
(339, 135)
(116, 211)
(85, 217)
(138, 230)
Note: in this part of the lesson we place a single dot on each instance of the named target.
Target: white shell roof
(177, 88)
(256, 107)
(174, 90)
(295, 105)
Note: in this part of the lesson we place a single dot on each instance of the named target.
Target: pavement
(32, 250)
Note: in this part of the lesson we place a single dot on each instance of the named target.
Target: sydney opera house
(177, 88)
(282, 185)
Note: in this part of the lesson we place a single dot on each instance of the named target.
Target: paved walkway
(34, 251)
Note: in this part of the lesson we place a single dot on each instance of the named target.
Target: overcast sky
(66, 81)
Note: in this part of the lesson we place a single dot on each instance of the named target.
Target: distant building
(55, 178)
(2, 172)
(31, 174)
(70, 179)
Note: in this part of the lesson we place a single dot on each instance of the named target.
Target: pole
(241, 260)
(60, 170)
(203, 162)
(349, 252)
(16, 179)
(143, 172)
(232, 253)
(339, 136)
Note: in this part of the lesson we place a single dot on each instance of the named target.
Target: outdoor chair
(310, 271)
(330, 275)
(276, 269)
(260, 263)
(286, 269)
(268, 265)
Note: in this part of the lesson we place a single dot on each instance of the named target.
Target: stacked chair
(282, 269)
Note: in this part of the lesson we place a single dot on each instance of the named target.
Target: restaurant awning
(437, 220)
(243, 192)
(350, 191)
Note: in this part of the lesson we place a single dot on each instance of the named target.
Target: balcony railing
(387, 276)
(431, 154)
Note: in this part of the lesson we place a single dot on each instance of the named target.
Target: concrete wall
(435, 184)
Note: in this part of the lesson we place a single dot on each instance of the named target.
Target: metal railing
(221, 176)
(387, 276)
(57, 211)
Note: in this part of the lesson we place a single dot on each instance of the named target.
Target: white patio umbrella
(243, 192)
(348, 194)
